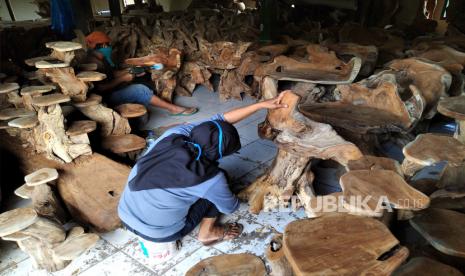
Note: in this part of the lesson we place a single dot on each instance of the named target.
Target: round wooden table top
(50, 99)
(341, 244)
(24, 122)
(123, 143)
(91, 76)
(81, 127)
(379, 186)
(229, 265)
(92, 99)
(130, 110)
(453, 107)
(41, 176)
(428, 149)
(16, 220)
(443, 229)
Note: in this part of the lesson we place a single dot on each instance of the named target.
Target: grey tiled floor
(117, 253)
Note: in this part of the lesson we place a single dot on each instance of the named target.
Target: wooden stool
(443, 229)
(429, 149)
(454, 107)
(378, 184)
(340, 244)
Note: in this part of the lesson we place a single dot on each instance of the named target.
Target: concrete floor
(117, 253)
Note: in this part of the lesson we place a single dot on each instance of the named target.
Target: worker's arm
(236, 115)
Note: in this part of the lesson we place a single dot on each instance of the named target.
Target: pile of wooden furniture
(50, 121)
(38, 113)
(351, 88)
(38, 229)
(331, 117)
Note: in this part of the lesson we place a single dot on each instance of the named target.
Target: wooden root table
(340, 244)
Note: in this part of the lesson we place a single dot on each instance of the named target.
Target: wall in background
(22, 9)
(4, 15)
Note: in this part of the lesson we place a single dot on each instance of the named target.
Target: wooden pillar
(83, 14)
(115, 9)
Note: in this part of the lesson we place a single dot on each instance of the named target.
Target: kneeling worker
(178, 185)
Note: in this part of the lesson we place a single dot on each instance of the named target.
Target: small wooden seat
(74, 246)
(89, 76)
(8, 87)
(443, 193)
(51, 99)
(454, 107)
(16, 220)
(426, 267)
(131, 110)
(229, 264)
(63, 46)
(341, 244)
(93, 99)
(378, 184)
(24, 122)
(88, 66)
(24, 191)
(369, 162)
(16, 237)
(81, 127)
(53, 63)
(10, 113)
(41, 176)
(457, 204)
(32, 61)
(443, 229)
(37, 89)
(429, 149)
(452, 178)
(123, 143)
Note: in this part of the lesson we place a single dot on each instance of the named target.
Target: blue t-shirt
(160, 213)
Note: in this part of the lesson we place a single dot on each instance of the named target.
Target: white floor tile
(10, 254)
(24, 268)
(249, 131)
(189, 245)
(236, 166)
(118, 264)
(99, 252)
(257, 152)
(274, 220)
(119, 238)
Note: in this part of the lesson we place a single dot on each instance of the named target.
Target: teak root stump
(299, 140)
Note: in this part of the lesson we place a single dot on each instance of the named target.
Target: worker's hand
(275, 102)
(127, 77)
(140, 74)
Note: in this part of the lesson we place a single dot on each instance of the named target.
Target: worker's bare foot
(216, 234)
(184, 111)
